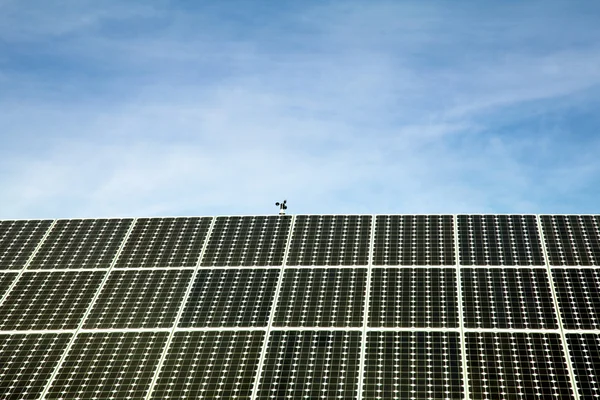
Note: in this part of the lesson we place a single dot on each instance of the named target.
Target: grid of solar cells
(42, 300)
(330, 240)
(517, 366)
(81, 243)
(6, 279)
(325, 297)
(164, 242)
(584, 350)
(499, 240)
(139, 299)
(230, 297)
(210, 365)
(507, 298)
(311, 365)
(115, 365)
(18, 240)
(572, 239)
(27, 362)
(414, 240)
(247, 241)
(413, 297)
(578, 292)
(413, 365)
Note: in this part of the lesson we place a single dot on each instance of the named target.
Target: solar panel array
(301, 307)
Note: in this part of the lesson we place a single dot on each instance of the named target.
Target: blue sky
(144, 108)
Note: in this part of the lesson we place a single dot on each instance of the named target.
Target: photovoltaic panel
(517, 366)
(210, 365)
(18, 240)
(330, 240)
(517, 298)
(27, 362)
(230, 297)
(311, 365)
(572, 239)
(115, 365)
(6, 279)
(164, 242)
(247, 241)
(413, 297)
(81, 243)
(413, 365)
(139, 299)
(584, 350)
(324, 297)
(414, 240)
(49, 300)
(578, 292)
(499, 240)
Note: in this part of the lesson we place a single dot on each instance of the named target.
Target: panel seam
(461, 321)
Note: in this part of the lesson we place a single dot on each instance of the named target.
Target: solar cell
(578, 292)
(517, 365)
(210, 365)
(6, 279)
(507, 298)
(115, 365)
(230, 297)
(584, 350)
(27, 362)
(18, 240)
(164, 242)
(414, 240)
(499, 240)
(311, 365)
(139, 299)
(413, 365)
(413, 297)
(49, 300)
(81, 243)
(324, 297)
(247, 241)
(330, 240)
(572, 239)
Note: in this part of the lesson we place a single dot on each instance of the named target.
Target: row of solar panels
(506, 298)
(313, 240)
(298, 364)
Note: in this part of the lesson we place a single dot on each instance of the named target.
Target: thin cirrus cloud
(148, 108)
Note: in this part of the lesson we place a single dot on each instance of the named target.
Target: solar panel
(210, 365)
(115, 365)
(247, 241)
(6, 279)
(322, 297)
(27, 362)
(578, 292)
(18, 240)
(164, 242)
(81, 243)
(139, 299)
(230, 297)
(572, 239)
(413, 365)
(585, 357)
(414, 240)
(517, 365)
(49, 300)
(507, 298)
(499, 240)
(413, 297)
(311, 365)
(330, 240)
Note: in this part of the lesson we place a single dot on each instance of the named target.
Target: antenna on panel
(282, 207)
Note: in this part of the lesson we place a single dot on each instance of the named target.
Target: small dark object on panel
(282, 207)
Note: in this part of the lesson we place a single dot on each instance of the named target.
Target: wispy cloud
(369, 107)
